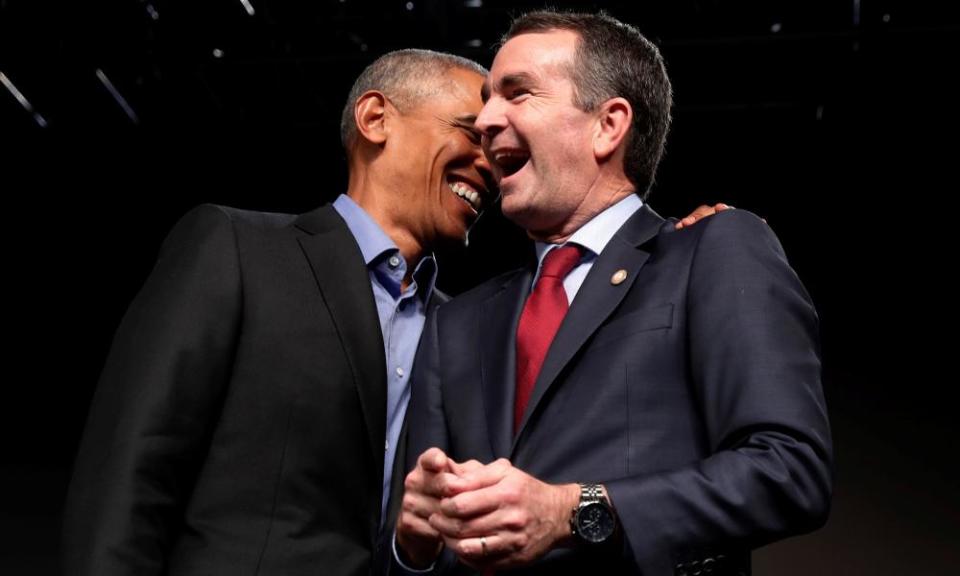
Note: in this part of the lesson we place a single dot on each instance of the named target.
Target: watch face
(595, 523)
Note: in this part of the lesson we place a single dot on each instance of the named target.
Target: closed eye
(516, 93)
(472, 133)
(467, 124)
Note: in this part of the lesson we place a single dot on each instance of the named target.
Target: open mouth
(467, 191)
(510, 161)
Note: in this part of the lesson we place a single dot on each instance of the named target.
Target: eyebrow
(505, 83)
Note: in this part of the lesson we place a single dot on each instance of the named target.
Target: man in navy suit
(667, 422)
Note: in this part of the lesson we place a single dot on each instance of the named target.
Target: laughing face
(448, 179)
(539, 142)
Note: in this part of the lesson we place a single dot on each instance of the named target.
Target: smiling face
(447, 179)
(539, 142)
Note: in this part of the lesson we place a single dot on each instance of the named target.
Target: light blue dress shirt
(402, 314)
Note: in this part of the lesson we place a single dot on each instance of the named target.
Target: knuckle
(516, 520)
(520, 542)
(453, 506)
(462, 548)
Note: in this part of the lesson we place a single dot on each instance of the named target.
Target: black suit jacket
(239, 423)
(691, 390)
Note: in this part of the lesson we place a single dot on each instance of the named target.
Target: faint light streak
(248, 7)
(37, 117)
(117, 96)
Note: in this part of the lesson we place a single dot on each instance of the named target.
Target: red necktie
(542, 314)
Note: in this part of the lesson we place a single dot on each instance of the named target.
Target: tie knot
(560, 261)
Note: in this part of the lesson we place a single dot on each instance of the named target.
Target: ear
(370, 114)
(613, 124)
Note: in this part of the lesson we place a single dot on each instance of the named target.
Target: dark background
(834, 120)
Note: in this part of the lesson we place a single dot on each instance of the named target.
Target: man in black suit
(667, 423)
(240, 423)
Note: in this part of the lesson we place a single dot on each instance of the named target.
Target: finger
(431, 485)
(481, 551)
(685, 221)
(460, 469)
(701, 212)
(410, 524)
(458, 527)
(481, 477)
(449, 485)
(433, 460)
(472, 504)
(419, 504)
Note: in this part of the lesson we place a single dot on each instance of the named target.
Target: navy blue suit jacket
(691, 390)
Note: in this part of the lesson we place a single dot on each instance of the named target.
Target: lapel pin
(618, 277)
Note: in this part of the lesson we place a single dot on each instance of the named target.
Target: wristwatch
(593, 521)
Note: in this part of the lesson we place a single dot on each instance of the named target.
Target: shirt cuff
(396, 556)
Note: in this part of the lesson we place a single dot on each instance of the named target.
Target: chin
(520, 217)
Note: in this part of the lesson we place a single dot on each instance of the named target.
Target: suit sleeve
(156, 402)
(427, 425)
(754, 363)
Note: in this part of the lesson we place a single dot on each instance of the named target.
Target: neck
(601, 196)
(371, 199)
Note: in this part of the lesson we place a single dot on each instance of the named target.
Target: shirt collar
(597, 232)
(377, 247)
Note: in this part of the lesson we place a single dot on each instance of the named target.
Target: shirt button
(386, 446)
(400, 372)
(394, 261)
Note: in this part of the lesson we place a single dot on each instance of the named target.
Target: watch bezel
(583, 535)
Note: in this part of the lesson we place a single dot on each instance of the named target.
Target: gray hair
(406, 77)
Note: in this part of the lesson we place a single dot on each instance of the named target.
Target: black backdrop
(834, 120)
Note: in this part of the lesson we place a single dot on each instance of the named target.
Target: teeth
(467, 193)
(512, 155)
(510, 161)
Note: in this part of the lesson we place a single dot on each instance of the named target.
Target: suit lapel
(597, 298)
(499, 316)
(344, 283)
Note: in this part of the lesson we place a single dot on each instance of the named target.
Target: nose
(482, 164)
(491, 119)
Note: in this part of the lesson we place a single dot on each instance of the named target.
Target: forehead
(459, 85)
(456, 93)
(536, 54)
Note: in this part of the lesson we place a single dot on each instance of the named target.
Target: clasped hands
(491, 516)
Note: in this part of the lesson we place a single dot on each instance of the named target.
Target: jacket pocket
(644, 319)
